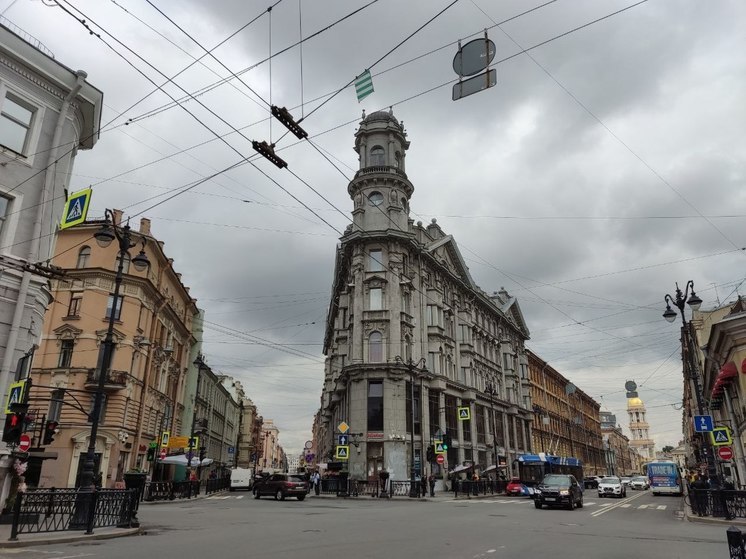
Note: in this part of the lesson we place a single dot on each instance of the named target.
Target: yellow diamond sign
(343, 427)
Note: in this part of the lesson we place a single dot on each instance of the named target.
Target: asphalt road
(235, 525)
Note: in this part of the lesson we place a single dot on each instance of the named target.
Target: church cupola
(380, 189)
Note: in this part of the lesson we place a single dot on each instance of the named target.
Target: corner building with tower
(410, 338)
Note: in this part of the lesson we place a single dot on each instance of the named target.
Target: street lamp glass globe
(669, 314)
(694, 302)
(141, 261)
(104, 236)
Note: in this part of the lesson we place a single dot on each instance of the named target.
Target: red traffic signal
(13, 428)
(50, 430)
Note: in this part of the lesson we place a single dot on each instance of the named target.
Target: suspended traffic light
(13, 428)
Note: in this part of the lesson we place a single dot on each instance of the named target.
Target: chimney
(144, 226)
(117, 217)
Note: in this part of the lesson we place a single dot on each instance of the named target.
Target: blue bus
(533, 467)
(665, 478)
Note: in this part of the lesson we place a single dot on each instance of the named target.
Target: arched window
(83, 256)
(375, 347)
(377, 156)
(375, 198)
(397, 160)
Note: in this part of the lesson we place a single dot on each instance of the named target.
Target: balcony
(380, 169)
(115, 380)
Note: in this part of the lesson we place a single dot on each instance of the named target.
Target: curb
(171, 502)
(48, 540)
(689, 517)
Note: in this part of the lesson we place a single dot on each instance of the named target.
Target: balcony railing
(115, 380)
(380, 169)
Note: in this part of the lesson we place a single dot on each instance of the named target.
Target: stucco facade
(410, 338)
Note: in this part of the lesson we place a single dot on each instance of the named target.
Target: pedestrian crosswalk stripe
(662, 507)
(590, 503)
(239, 497)
(626, 506)
(642, 507)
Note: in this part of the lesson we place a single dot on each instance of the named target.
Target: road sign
(16, 394)
(474, 57)
(703, 423)
(178, 442)
(165, 438)
(25, 443)
(474, 85)
(231, 450)
(343, 452)
(343, 427)
(343, 439)
(721, 436)
(725, 453)
(309, 445)
(310, 457)
(440, 459)
(76, 208)
(163, 453)
(464, 413)
(439, 447)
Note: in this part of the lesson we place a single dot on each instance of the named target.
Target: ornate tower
(380, 189)
(638, 424)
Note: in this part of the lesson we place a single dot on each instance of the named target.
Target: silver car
(639, 482)
(611, 486)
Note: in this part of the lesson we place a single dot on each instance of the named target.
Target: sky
(606, 165)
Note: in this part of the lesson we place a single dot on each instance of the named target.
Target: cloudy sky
(606, 165)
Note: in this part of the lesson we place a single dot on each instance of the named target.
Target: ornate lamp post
(491, 389)
(413, 367)
(689, 358)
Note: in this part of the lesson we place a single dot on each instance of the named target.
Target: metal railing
(215, 485)
(469, 487)
(718, 503)
(56, 510)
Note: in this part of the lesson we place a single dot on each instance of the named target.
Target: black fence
(170, 490)
(467, 487)
(718, 503)
(57, 510)
(215, 485)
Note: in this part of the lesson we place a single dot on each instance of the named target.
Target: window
(66, 354)
(481, 434)
(4, 203)
(397, 160)
(83, 256)
(55, 405)
(110, 302)
(375, 405)
(407, 302)
(375, 260)
(16, 118)
(466, 426)
(416, 411)
(451, 416)
(125, 263)
(375, 198)
(76, 300)
(377, 156)
(376, 299)
(375, 347)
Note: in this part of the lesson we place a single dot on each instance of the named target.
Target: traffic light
(13, 428)
(430, 453)
(151, 453)
(446, 441)
(50, 430)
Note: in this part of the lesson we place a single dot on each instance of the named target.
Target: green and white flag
(363, 85)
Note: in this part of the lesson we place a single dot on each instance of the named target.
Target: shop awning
(727, 372)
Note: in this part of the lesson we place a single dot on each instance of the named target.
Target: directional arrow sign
(343, 439)
(464, 413)
(703, 423)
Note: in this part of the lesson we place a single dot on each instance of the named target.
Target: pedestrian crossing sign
(439, 447)
(721, 436)
(165, 438)
(76, 208)
(464, 413)
(343, 452)
(16, 395)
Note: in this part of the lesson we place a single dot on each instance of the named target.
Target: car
(590, 482)
(639, 482)
(611, 486)
(242, 478)
(515, 487)
(626, 480)
(559, 490)
(281, 486)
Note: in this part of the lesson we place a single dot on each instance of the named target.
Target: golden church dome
(634, 403)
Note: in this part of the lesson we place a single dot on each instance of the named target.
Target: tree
(667, 449)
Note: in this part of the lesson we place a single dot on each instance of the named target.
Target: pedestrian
(423, 486)
(316, 482)
(431, 481)
(475, 484)
(699, 496)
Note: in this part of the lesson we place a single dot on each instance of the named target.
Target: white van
(242, 478)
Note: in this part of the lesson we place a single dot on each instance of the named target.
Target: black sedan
(281, 486)
(559, 490)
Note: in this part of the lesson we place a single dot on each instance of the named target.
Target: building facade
(48, 113)
(248, 435)
(566, 420)
(414, 348)
(272, 455)
(639, 427)
(144, 389)
(616, 447)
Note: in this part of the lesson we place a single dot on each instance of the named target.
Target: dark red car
(281, 486)
(515, 487)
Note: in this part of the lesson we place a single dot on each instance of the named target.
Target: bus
(533, 467)
(665, 478)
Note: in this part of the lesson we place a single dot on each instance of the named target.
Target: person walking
(699, 496)
(316, 479)
(431, 482)
(423, 486)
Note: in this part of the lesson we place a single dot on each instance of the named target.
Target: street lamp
(412, 366)
(688, 356)
(491, 389)
(104, 237)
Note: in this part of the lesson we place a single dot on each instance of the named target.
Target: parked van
(242, 478)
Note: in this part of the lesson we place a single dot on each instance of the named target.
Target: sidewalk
(46, 538)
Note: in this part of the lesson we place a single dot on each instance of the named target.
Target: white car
(611, 486)
(639, 482)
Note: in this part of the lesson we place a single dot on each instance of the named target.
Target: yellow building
(144, 387)
(638, 425)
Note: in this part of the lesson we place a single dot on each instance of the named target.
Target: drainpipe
(33, 253)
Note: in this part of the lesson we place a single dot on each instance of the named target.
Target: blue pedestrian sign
(343, 439)
(703, 423)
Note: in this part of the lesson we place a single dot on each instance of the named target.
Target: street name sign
(464, 413)
(725, 453)
(721, 436)
(703, 423)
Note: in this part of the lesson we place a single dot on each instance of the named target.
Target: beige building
(639, 427)
(272, 455)
(152, 334)
(566, 419)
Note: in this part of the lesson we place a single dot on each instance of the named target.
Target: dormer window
(377, 156)
(375, 198)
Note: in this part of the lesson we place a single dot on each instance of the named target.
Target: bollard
(735, 543)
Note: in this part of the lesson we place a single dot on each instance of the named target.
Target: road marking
(643, 506)
(662, 507)
(617, 505)
(239, 497)
(590, 503)
(626, 506)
